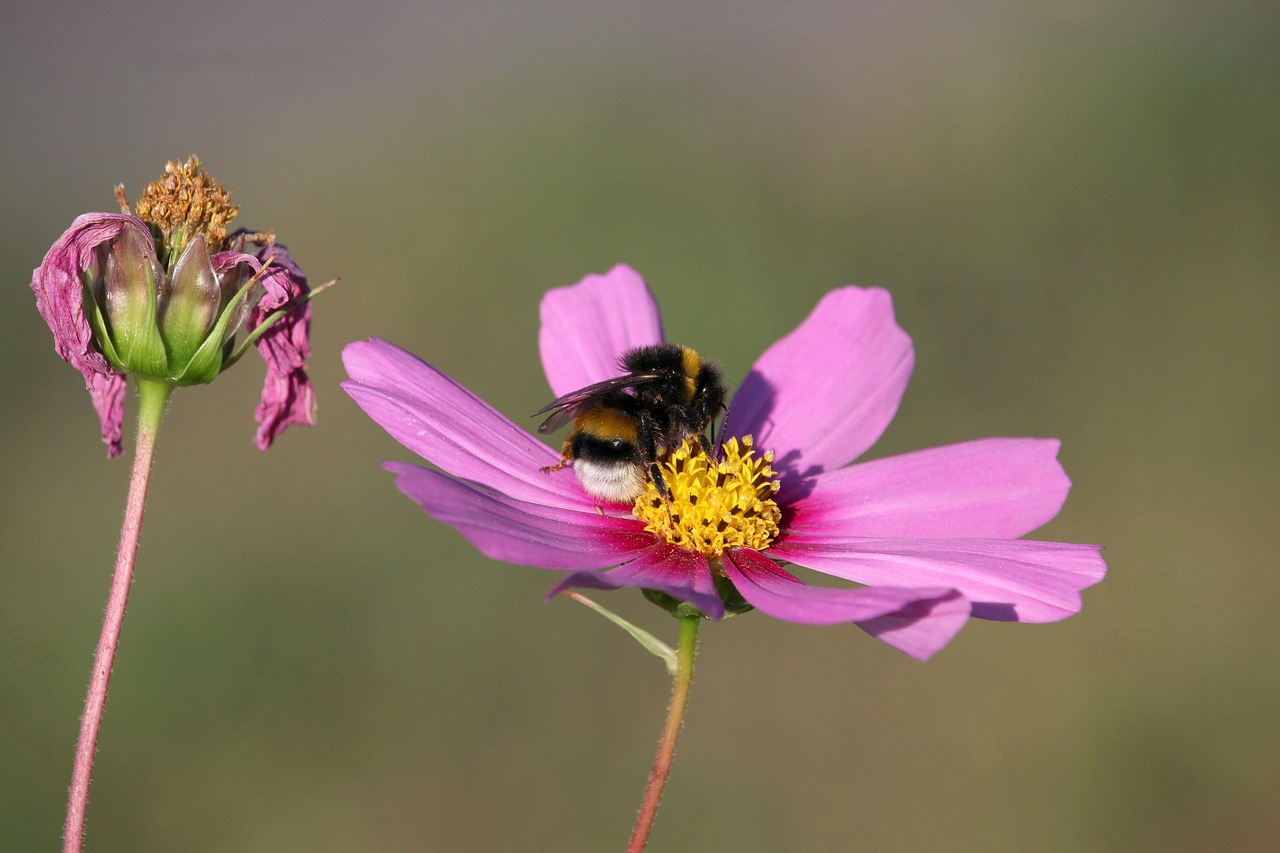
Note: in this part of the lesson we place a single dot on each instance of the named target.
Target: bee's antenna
(724, 427)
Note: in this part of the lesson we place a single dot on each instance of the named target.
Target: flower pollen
(187, 201)
(714, 504)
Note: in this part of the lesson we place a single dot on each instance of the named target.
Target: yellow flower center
(714, 503)
(188, 201)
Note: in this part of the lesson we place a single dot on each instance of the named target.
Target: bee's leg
(659, 482)
(647, 448)
(564, 458)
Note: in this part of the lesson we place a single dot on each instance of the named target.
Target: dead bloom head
(163, 295)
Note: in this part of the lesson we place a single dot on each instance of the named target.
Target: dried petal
(287, 395)
(59, 286)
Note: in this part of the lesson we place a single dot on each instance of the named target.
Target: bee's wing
(566, 408)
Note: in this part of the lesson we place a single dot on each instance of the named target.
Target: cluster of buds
(162, 295)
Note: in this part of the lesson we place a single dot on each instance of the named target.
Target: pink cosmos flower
(930, 535)
(116, 309)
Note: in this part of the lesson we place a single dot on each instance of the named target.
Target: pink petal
(453, 429)
(917, 621)
(996, 488)
(107, 394)
(287, 395)
(527, 534)
(823, 394)
(1006, 579)
(682, 574)
(922, 628)
(587, 326)
(59, 292)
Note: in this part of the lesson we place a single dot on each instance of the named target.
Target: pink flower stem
(153, 397)
(686, 651)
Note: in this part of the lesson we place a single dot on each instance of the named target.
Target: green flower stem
(153, 397)
(686, 651)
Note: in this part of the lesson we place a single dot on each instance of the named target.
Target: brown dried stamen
(188, 201)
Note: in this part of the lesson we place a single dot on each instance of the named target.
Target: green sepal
(142, 353)
(101, 335)
(734, 603)
(127, 327)
(206, 364)
(649, 642)
(208, 360)
(669, 603)
(267, 322)
(190, 306)
(271, 319)
(145, 354)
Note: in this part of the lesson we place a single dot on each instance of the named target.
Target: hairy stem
(153, 397)
(686, 651)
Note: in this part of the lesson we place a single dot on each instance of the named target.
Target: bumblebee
(623, 426)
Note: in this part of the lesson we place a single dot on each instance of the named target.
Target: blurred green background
(1076, 208)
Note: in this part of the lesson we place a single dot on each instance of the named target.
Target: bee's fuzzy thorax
(623, 425)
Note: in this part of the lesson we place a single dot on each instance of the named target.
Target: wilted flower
(931, 534)
(162, 295)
